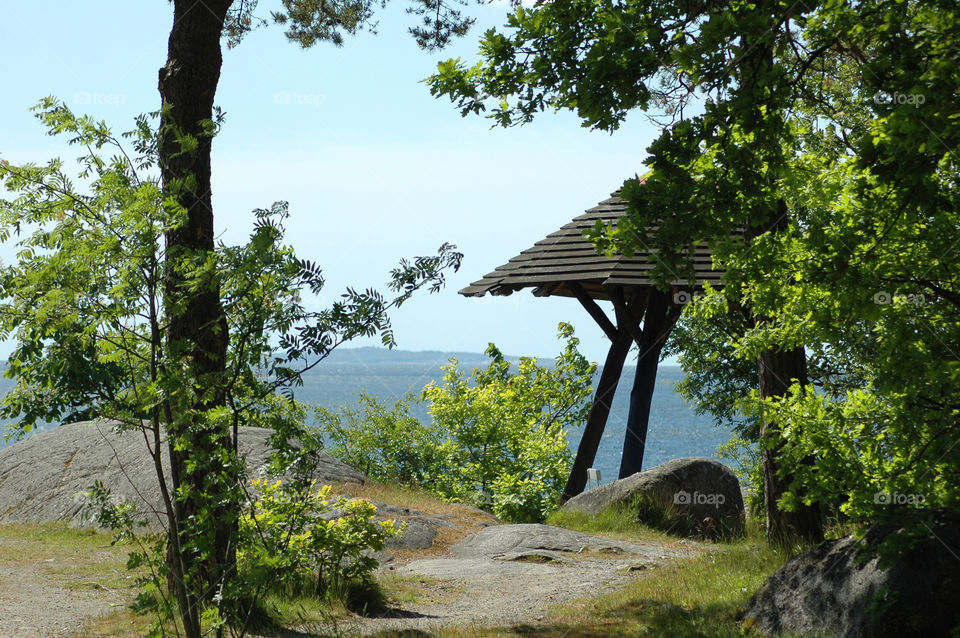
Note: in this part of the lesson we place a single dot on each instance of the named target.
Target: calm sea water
(675, 430)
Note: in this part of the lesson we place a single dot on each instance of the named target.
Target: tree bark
(197, 326)
(777, 369)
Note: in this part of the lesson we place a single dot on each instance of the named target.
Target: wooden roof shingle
(566, 256)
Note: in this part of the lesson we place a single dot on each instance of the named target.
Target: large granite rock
(835, 589)
(44, 477)
(687, 496)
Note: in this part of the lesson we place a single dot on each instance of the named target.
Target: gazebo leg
(593, 431)
(641, 397)
(657, 324)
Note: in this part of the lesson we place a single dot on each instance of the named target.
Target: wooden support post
(661, 315)
(594, 310)
(593, 431)
(630, 313)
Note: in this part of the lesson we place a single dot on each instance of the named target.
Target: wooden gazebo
(566, 264)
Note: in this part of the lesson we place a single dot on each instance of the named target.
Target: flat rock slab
(501, 540)
(472, 568)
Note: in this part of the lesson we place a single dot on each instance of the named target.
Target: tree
(197, 331)
(197, 334)
(89, 303)
(817, 122)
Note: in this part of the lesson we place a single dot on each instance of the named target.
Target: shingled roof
(565, 256)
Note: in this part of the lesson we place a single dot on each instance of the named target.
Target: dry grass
(74, 558)
(123, 623)
(412, 498)
(465, 519)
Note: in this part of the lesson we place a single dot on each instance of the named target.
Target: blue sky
(374, 168)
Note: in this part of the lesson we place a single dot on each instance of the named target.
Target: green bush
(387, 443)
(497, 439)
(291, 545)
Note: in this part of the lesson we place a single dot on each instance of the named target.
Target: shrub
(497, 439)
(293, 545)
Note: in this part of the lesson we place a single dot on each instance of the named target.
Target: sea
(675, 430)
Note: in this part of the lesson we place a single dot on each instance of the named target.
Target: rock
(43, 478)
(501, 541)
(688, 496)
(419, 534)
(831, 590)
(502, 552)
(472, 568)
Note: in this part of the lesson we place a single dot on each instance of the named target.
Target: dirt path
(514, 574)
(34, 605)
(505, 575)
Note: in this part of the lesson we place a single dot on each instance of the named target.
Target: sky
(375, 169)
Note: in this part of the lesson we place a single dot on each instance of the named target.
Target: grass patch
(614, 522)
(74, 558)
(122, 623)
(29, 543)
(410, 589)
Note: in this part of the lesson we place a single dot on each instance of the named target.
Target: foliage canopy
(828, 130)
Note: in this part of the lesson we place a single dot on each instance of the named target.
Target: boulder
(419, 533)
(44, 477)
(842, 588)
(687, 496)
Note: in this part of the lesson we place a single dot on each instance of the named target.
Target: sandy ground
(34, 606)
(454, 590)
(480, 592)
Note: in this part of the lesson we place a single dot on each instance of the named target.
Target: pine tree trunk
(197, 327)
